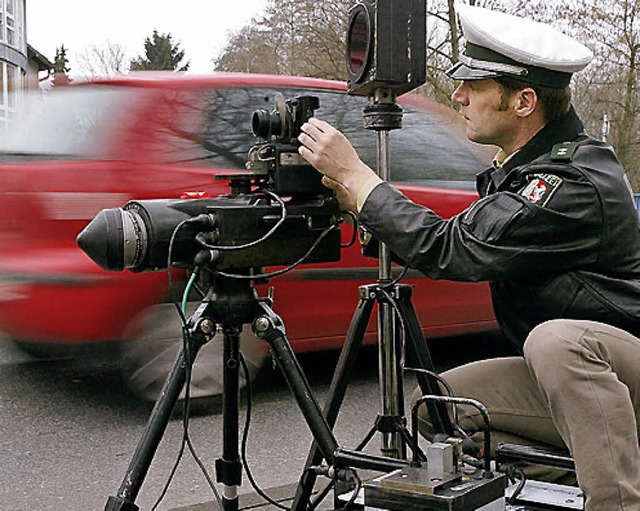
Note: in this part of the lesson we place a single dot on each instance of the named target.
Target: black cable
(463, 401)
(245, 436)
(514, 474)
(170, 253)
(448, 388)
(186, 439)
(356, 491)
(288, 268)
(402, 275)
(183, 442)
(186, 408)
(322, 494)
(354, 236)
(185, 345)
(228, 248)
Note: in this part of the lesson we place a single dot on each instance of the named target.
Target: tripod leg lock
(229, 472)
(390, 423)
(268, 325)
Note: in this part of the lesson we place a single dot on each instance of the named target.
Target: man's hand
(329, 151)
(347, 203)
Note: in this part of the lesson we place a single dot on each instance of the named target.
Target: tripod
(232, 302)
(394, 309)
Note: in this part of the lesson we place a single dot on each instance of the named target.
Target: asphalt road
(69, 427)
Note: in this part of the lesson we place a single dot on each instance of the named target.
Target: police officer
(554, 232)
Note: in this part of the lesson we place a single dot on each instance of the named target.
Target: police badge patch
(541, 188)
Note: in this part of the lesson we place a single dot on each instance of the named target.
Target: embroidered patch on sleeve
(541, 188)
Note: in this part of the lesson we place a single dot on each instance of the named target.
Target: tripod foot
(120, 504)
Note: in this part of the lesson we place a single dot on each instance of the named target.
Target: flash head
(386, 46)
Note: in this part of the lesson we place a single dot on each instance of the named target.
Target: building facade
(20, 64)
(14, 62)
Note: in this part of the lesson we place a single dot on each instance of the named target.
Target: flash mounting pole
(382, 115)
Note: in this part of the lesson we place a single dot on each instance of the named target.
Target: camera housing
(138, 236)
(386, 46)
(279, 215)
(277, 157)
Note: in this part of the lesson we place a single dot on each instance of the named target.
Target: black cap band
(481, 63)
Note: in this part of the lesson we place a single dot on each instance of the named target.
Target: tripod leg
(269, 327)
(337, 390)
(390, 355)
(228, 467)
(418, 343)
(124, 500)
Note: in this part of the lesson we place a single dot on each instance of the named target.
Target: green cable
(185, 295)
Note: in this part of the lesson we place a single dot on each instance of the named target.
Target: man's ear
(526, 102)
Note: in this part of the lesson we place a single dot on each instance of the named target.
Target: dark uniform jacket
(555, 232)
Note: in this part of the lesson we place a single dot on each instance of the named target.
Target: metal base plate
(415, 489)
(547, 496)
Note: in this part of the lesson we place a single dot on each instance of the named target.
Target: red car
(82, 148)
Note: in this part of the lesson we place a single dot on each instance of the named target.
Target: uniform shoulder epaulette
(564, 151)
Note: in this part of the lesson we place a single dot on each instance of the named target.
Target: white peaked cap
(499, 44)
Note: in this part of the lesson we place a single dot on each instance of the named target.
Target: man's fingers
(330, 183)
(305, 152)
(320, 125)
(314, 127)
(305, 139)
(310, 129)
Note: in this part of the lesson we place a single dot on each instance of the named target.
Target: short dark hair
(555, 102)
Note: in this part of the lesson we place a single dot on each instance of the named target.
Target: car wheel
(156, 340)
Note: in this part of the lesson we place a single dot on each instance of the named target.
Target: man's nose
(459, 95)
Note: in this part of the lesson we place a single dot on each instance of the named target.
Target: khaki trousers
(578, 386)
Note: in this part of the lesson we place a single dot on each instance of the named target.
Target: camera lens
(102, 239)
(265, 124)
(134, 235)
(115, 239)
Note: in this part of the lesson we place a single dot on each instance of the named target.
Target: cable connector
(347, 475)
(203, 220)
(204, 257)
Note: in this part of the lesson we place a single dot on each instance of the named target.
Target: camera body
(386, 46)
(277, 157)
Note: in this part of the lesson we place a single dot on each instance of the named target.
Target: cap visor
(461, 72)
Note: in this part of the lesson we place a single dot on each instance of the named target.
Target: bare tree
(295, 37)
(103, 61)
(249, 50)
(609, 86)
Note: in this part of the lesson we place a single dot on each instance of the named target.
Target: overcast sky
(200, 26)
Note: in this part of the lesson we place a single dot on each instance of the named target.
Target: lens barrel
(266, 124)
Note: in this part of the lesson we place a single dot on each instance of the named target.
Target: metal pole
(383, 114)
(390, 372)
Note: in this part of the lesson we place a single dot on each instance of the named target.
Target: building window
(13, 66)
(2, 89)
(12, 23)
(10, 91)
(11, 85)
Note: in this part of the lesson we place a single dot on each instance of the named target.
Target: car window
(425, 150)
(68, 123)
(213, 127)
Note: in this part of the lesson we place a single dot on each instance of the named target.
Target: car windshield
(65, 124)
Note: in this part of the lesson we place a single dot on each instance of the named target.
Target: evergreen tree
(160, 55)
(60, 68)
